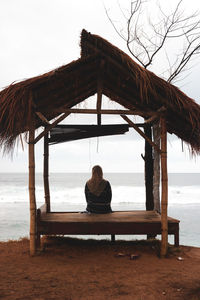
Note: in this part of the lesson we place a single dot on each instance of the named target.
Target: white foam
(120, 194)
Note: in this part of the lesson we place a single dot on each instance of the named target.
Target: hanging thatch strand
(124, 81)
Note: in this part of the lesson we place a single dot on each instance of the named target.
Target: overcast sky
(40, 35)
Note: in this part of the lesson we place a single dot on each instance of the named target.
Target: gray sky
(40, 35)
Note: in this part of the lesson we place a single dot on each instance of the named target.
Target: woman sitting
(98, 193)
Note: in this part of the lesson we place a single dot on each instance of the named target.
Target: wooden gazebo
(46, 100)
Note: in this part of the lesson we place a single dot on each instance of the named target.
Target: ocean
(67, 194)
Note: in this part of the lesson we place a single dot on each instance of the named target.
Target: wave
(120, 195)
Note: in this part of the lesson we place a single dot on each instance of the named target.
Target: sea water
(67, 194)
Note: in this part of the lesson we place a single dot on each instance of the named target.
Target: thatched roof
(123, 80)
(48, 94)
(135, 87)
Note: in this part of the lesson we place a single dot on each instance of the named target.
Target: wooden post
(148, 160)
(99, 101)
(164, 199)
(46, 173)
(99, 91)
(156, 168)
(33, 231)
(112, 238)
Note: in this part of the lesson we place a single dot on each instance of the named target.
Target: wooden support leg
(112, 238)
(33, 232)
(156, 168)
(148, 161)
(46, 173)
(164, 199)
(38, 241)
(176, 239)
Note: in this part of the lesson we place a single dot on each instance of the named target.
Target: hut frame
(37, 217)
(46, 100)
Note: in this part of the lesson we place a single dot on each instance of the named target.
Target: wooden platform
(120, 223)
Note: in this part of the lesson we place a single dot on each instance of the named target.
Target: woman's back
(99, 202)
(98, 192)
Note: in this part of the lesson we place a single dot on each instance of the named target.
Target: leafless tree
(154, 36)
(171, 37)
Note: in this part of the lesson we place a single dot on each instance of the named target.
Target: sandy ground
(77, 269)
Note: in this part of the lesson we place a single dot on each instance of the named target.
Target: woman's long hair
(96, 183)
(97, 173)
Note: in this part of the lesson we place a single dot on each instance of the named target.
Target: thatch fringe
(124, 81)
(14, 101)
(64, 86)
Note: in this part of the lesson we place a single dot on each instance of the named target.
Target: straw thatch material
(132, 85)
(47, 93)
(123, 80)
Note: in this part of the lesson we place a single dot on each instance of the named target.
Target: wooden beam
(141, 133)
(104, 111)
(156, 115)
(151, 119)
(127, 72)
(99, 101)
(99, 92)
(46, 173)
(33, 232)
(62, 117)
(139, 124)
(164, 178)
(42, 117)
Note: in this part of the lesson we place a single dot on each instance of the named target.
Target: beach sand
(91, 269)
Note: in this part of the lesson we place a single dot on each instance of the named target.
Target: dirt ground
(77, 269)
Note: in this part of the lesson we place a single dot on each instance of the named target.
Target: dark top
(99, 204)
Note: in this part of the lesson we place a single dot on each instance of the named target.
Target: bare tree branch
(151, 43)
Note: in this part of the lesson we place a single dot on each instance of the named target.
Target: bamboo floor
(118, 222)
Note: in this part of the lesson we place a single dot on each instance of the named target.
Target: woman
(98, 192)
